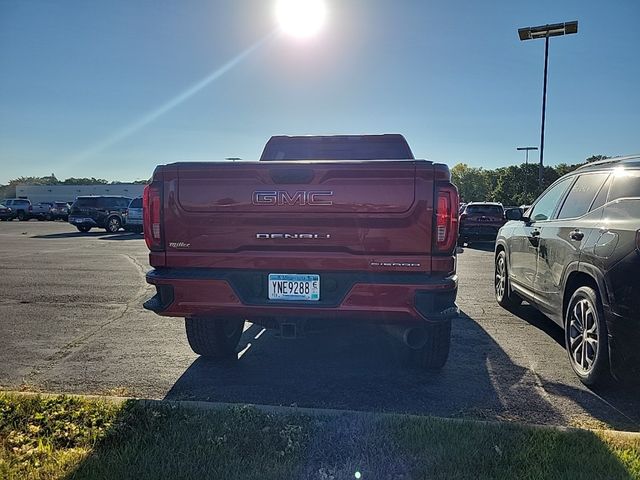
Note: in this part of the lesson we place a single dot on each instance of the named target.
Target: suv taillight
(446, 228)
(151, 211)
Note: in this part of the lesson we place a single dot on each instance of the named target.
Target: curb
(322, 412)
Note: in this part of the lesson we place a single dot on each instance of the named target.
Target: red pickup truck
(322, 228)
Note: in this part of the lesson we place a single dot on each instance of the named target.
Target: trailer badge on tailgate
(179, 245)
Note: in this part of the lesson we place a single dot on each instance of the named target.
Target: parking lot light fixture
(546, 32)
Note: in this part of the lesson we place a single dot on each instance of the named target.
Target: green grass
(71, 438)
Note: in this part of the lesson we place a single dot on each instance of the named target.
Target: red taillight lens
(446, 228)
(151, 212)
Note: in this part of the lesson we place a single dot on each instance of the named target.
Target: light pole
(546, 32)
(526, 162)
(526, 149)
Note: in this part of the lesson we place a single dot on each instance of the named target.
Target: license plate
(292, 286)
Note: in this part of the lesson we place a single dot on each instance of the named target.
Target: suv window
(113, 202)
(601, 198)
(495, 210)
(625, 184)
(546, 205)
(86, 202)
(136, 203)
(581, 195)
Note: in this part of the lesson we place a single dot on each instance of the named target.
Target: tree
(563, 168)
(85, 181)
(50, 180)
(471, 182)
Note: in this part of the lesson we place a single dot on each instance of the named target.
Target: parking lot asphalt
(71, 320)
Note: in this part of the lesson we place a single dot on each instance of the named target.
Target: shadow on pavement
(360, 367)
(622, 397)
(482, 246)
(123, 236)
(537, 319)
(100, 235)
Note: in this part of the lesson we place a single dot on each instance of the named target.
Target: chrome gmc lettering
(300, 197)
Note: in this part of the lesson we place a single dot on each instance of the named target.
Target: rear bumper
(378, 298)
(484, 232)
(82, 222)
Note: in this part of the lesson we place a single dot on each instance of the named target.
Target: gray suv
(575, 256)
(20, 207)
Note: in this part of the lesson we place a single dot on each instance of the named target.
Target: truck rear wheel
(433, 355)
(214, 337)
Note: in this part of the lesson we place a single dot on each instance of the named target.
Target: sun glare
(301, 18)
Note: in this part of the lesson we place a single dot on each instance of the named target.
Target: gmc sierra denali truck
(321, 229)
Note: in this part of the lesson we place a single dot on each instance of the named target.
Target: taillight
(446, 228)
(151, 212)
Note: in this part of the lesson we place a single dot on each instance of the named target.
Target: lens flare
(301, 18)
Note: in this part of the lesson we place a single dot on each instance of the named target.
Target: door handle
(576, 235)
(535, 233)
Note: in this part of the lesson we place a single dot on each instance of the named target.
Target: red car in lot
(346, 228)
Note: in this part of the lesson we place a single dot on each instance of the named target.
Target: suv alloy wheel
(113, 224)
(586, 337)
(504, 296)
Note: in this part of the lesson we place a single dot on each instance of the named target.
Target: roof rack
(608, 161)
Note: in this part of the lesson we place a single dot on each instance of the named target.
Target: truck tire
(21, 216)
(214, 337)
(433, 355)
(83, 229)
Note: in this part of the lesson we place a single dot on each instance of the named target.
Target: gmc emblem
(282, 197)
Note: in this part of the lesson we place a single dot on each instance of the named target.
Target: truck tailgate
(349, 215)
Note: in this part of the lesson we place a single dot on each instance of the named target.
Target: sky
(112, 89)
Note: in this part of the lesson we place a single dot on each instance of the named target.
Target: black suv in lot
(575, 256)
(98, 211)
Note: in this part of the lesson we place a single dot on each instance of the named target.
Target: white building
(68, 193)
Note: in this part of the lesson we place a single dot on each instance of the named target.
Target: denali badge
(282, 197)
(302, 236)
